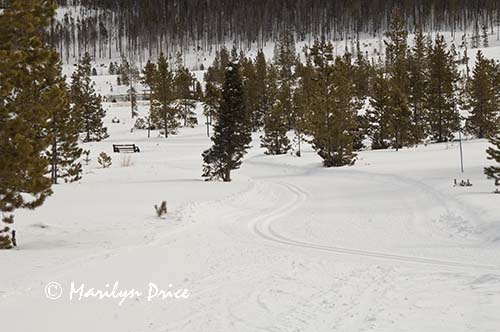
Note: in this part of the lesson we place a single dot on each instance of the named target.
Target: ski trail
(262, 226)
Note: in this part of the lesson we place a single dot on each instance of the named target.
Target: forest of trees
(142, 29)
(338, 104)
(414, 95)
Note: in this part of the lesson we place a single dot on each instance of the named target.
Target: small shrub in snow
(104, 160)
(140, 124)
(86, 157)
(161, 210)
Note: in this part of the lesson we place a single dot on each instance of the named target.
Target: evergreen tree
(184, 82)
(493, 172)
(212, 98)
(302, 100)
(232, 134)
(441, 99)
(86, 103)
(390, 116)
(377, 114)
(483, 98)
(333, 110)
(165, 108)
(133, 78)
(418, 79)
(250, 89)
(265, 90)
(132, 96)
(27, 94)
(285, 60)
(112, 69)
(214, 81)
(390, 98)
(363, 74)
(198, 91)
(125, 70)
(486, 42)
(148, 79)
(275, 138)
(63, 152)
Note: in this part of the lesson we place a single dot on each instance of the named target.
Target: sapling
(161, 210)
(104, 160)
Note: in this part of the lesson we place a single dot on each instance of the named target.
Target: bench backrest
(125, 148)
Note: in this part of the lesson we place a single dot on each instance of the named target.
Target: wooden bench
(128, 148)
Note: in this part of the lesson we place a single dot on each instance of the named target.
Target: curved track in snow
(263, 227)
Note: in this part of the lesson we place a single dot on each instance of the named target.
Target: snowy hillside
(239, 166)
(386, 245)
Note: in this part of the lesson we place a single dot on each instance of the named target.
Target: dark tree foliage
(28, 93)
(493, 172)
(232, 132)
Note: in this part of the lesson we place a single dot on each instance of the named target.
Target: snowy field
(386, 245)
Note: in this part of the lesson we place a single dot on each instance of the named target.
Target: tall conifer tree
(165, 108)
(63, 152)
(232, 132)
(27, 93)
(184, 82)
(418, 78)
(87, 104)
(441, 98)
(275, 138)
(264, 90)
(331, 119)
(483, 98)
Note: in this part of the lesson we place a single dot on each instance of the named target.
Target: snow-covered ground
(386, 245)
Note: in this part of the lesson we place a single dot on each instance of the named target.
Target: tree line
(340, 103)
(142, 29)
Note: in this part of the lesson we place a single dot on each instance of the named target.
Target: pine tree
(483, 98)
(285, 60)
(27, 94)
(132, 96)
(214, 80)
(396, 112)
(133, 78)
(148, 79)
(475, 39)
(363, 74)
(198, 91)
(275, 138)
(165, 109)
(486, 42)
(377, 114)
(184, 81)
(63, 152)
(332, 116)
(418, 81)
(111, 69)
(250, 90)
(441, 99)
(232, 132)
(493, 172)
(264, 90)
(212, 99)
(87, 104)
(124, 71)
(302, 100)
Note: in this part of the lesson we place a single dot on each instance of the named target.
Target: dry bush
(126, 161)
(161, 210)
